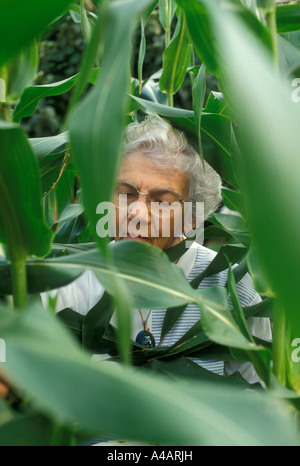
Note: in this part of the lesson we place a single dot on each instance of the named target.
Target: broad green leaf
(91, 57)
(20, 71)
(192, 340)
(260, 359)
(233, 200)
(289, 57)
(176, 59)
(85, 25)
(216, 103)
(64, 188)
(167, 10)
(22, 222)
(30, 429)
(6, 414)
(74, 10)
(70, 212)
(47, 145)
(62, 249)
(48, 206)
(262, 309)
(142, 53)
(142, 47)
(96, 124)
(149, 9)
(183, 368)
(33, 94)
(160, 285)
(233, 253)
(96, 321)
(234, 225)
(266, 174)
(107, 395)
(72, 231)
(220, 327)
(52, 169)
(260, 282)
(203, 32)
(287, 18)
(96, 128)
(198, 102)
(73, 321)
(21, 22)
(219, 263)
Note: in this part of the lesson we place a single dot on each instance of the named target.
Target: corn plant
(248, 132)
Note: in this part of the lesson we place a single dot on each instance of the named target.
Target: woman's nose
(139, 208)
(142, 197)
(139, 219)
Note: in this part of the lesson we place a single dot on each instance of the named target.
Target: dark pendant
(146, 339)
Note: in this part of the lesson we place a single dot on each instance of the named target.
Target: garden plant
(50, 187)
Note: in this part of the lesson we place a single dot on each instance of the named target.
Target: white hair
(169, 148)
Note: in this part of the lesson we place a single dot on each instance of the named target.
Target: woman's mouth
(139, 238)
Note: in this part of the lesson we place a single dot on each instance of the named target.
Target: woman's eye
(164, 200)
(126, 192)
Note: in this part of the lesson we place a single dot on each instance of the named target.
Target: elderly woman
(160, 169)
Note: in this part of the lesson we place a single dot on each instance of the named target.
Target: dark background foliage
(60, 52)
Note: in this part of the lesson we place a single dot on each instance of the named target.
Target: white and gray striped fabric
(191, 314)
(84, 292)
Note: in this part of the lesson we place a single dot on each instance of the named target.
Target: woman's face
(140, 221)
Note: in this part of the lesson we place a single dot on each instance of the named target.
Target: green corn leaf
(167, 10)
(142, 52)
(218, 264)
(198, 101)
(96, 321)
(29, 19)
(176, 59)
(287, 18)
(203, 32)
(181, 414)
(49, 145)
(264, 173)
(161, 285)
(234, 200)
(216, 103)
(20, 71)
(99, 133)
(22, 223)
(234, 225)
(261, 359)
(96, 127)
(142, 47)
(33, 94)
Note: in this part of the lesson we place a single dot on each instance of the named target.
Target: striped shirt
(191, 314)
(84, 292)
